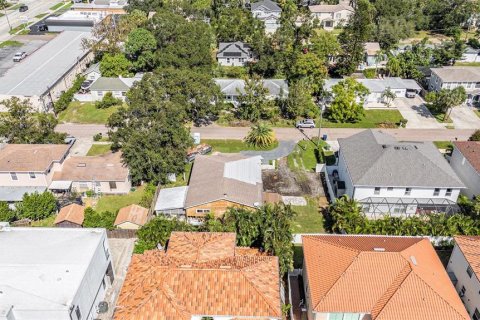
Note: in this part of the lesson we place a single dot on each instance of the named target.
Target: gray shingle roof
(268, 4)
(233, 49)
(458, 74)
(109, 84)
(374, 158)
(232, 87)
(379, 85)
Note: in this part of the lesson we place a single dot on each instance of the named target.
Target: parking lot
(30, 45)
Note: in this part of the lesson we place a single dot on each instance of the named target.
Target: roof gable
(266, 5)
(471, 151)
(72, 213)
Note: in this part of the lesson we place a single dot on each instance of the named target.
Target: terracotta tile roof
(471, 151)
(132, 213)
(31, 157)
(391, 278)
(108, 167)
(71, 213)
(470, 246)
(175, 285)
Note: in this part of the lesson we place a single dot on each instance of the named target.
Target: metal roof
(379, 85)
(43, 69)
(14, 194)
(171, 198)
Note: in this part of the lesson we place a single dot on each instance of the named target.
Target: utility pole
(321, 104)
(4, 5)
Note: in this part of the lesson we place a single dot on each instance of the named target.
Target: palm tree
(388, 96)
(261, 136)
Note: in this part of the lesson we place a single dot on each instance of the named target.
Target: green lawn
(10, 43)
(372, 119)
(443, 144)
(468, 64)
(85, 112)
(305, 155)
(98, 149)
(40, 16)
(180, 178)
(308, 219)
(477, 112)
(47, 222)
(113, 203)
(298, 256)
(440, 117)
(57, 6)
(233, 146)
(18, 28)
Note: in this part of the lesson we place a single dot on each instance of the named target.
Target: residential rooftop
(327, 8)
(389, 278)
(42, 268)
(374, 158)
(44, 68)
(458, 73)
(234, 87)
(133, 213)
(31, 157)
(266, 4)
(471, 151)
(236, 49)
(470, 247)
(171, 198)
(200, 274)
(73, 213)
(380, 84)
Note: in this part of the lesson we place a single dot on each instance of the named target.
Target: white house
(93, 72)
(234, 54)
(456, 76)
(470, 55)
(232, 89)
(464, 270)
(269, 12)
(331, 16)
(53, 273)
(376, 87)
(387, 176)
(465, 161)
(117, 86)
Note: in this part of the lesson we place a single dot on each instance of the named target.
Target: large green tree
(310, 68)
(445, 100)
(140, 47)
(115, 65)
(348, 98)
(6, 213)
(95, 219)
(299, 102)
(20, 124)
(37, 206)
(253, 102)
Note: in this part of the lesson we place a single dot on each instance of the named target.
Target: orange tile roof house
(70, 216)
(465, 161)
(377, 278)
(200, 275)
(131, 217)
(464, 270)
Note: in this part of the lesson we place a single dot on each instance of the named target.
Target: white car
(19, 56)
(307, 123)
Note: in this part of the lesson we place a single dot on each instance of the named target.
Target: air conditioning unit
(102, 307)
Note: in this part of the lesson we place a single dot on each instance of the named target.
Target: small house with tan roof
(354, 277)
(70, 216)
(28, 168)
(200, 275)
(102, 174)
(464, 270)
(465, 161)
(131, 217)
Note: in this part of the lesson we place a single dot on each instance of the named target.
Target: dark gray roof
(233, 49)
(109, 84)
(374, 158)
(267, 4)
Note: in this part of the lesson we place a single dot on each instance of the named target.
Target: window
(203, 210)
(448, 193)
(32, 175)
(112, 184)
(469, 271)
(335, 316)
(462, 291)
(476, 315)
(100, 93)
(398, 210)
(13, 175)
(436, 192)
(377, 190)
(408, 191)
(390, 189)
(78, 313)
(83, 185)
(228, 60)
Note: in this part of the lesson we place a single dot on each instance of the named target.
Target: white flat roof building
(52, 273)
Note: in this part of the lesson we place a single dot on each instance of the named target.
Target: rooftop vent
(379, 249)
(81, 165)
(414, 260)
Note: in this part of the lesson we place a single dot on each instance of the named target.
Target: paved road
(217, 132)
(285, 147)
(35, 7)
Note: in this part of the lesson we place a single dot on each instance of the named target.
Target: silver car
(307, 123)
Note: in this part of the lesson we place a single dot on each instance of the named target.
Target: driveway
(417, 114)
(284, 149)
(81, 146)
(463, 117)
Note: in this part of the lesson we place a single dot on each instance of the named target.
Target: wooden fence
(122, 234)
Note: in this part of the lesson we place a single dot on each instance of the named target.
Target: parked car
(42, 27)
(200, 149)
(70, 140)
(307, 123)
(86, 85)
(23, 8)
(411, 93)
(19, 56)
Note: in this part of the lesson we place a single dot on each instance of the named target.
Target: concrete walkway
(284, 149)
(417, 114)
(464, 117)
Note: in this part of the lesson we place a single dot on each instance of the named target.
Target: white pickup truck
(19, 56)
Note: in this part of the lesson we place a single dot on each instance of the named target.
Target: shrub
(67, 97)
(475, 136)
(37, 206)
(403, 123)
(97, 137)
(148, 195)
(6, 213)
(261, 136)
(370, 73)
(108, 101)
(94, 219)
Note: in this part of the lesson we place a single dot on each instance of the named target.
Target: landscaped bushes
(108, 101)
(67, 97)
(36, 206)
(94, 219)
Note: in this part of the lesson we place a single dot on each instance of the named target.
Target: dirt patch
(292, 183)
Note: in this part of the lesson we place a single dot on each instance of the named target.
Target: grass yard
(15, 7)
(10, 43)
(305, 155)
(85, 112)
(468, 64)
(18, 28)
(298, 256)
(40, 16)
(233, 146)
(308, 219)
(46, 223)
(443, 144)
(113, 203)
(372, 119)
(57, 6)
(477, 112)
(99, 149)
(182, 179)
